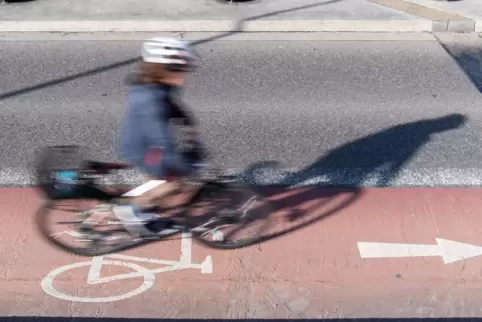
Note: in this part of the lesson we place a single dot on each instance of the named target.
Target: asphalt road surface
(351, 109)
(332, 109)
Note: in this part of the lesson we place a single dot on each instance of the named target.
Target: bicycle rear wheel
(64, 178)
(89, 242)
(220, 211)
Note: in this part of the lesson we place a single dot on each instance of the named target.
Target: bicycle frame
(177, 227)
(218, 235)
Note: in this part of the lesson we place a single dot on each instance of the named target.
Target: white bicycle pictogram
(148, 275)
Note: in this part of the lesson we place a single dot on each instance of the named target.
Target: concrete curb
(442, 21)
(478, 26)
(421, 25)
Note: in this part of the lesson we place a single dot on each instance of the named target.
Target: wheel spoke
(87, 242)
(220, 232)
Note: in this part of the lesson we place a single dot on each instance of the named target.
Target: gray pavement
(217, 16)
(256, 15)
(41, 10)
(340, 108)
(468, 8)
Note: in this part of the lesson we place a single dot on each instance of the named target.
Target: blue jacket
(146, 125)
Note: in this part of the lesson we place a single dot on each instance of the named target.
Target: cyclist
(146, 138)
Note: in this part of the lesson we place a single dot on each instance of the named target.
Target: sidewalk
(218, 16)
(471, 9)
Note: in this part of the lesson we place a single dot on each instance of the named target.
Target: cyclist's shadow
(379, 157)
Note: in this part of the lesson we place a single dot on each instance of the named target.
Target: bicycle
(63, 173)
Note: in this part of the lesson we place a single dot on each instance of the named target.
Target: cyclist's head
(167, 60)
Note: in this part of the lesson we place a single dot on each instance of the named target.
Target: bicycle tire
(265, 217)
(42, 226)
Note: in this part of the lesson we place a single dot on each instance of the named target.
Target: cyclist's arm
(179, 112)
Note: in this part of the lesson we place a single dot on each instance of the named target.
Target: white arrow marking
(450, 251)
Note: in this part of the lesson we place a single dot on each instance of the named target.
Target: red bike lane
(334, 253)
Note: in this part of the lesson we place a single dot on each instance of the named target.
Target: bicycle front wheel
(221, 212)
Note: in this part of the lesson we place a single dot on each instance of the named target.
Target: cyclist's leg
(183, 168)
(138, 214)
(137, 217)
(154, 198)
(175, 192)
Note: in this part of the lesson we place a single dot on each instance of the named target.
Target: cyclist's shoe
(159, 224)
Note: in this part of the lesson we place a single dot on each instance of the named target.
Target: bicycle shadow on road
(378, 157)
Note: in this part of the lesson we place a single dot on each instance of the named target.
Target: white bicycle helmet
(177, 54)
